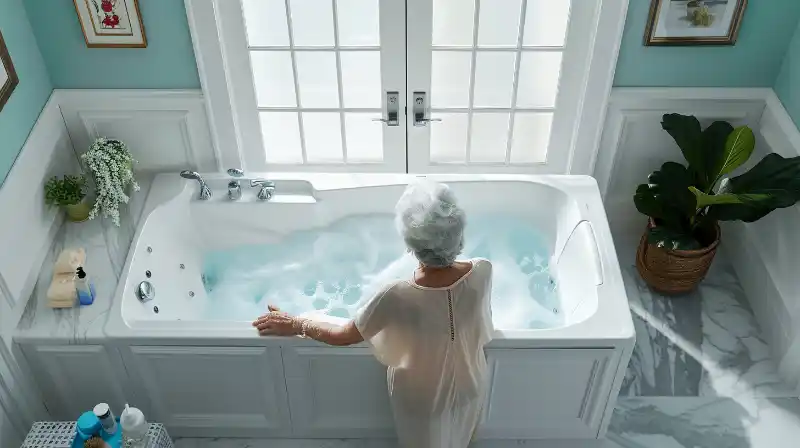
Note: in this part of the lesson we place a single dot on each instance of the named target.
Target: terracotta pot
(674, 271)
(78, 212)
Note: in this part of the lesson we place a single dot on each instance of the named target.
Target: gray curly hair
(431, 223)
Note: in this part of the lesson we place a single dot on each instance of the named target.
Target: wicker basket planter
(674, 271)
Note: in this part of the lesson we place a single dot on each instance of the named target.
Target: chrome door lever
(421, 110)
(392, 116)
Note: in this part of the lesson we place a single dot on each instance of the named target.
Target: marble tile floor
(700, 376)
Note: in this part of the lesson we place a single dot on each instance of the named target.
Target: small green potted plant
(685, 203)
(68, 193)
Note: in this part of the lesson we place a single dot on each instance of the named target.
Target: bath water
(336, 269)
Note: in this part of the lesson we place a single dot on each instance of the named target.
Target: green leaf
(687, 133)
(715, 138)
(666, 196)
(773, 183)
(738, 148)
(670, 239)
(705, 200)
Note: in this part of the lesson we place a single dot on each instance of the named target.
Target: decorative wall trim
(762, 253)
(165, 129)
(26, 238)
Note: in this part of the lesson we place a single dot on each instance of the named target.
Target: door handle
(421, 110)
(392, 113)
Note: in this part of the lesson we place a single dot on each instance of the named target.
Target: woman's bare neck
(434, 277)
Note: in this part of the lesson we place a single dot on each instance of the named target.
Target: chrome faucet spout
(205, 192)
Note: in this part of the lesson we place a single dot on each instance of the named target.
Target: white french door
(310, 81)
(498, 98)
(407, 86)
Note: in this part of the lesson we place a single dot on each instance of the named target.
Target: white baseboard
(164, 129)
(763, 253)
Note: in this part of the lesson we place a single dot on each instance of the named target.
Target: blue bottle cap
(88, 424)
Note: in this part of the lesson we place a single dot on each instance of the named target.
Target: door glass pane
(364, 137)
(323, 137)
(312, 22)
(498, 24)
(494, 78)
(361, 78)
(538, 78)
(449, 138)
(531, 137)
(281, 134)
(453, 22)
(546, 23)
(489, 137)
(266, 22)
(450, 78)
(359, 22)
(316, 76)
(273, 78)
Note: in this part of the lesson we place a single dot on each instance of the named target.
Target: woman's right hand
(277, 323)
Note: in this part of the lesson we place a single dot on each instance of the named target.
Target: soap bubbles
(336, 269)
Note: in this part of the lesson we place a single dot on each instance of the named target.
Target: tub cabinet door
(214, 391)
(337, 392)
(541, 393)
(74, 378)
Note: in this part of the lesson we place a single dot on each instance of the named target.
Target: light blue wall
(788, 84)
(753, 62)
(26, 102)
(167, 62)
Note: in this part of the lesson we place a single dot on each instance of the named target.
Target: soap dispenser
(134, 427)
(84, 287)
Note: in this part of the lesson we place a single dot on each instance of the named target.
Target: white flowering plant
(111, 165)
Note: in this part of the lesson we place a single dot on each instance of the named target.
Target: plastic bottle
(84, 287)
(134, 427)
(106, 417)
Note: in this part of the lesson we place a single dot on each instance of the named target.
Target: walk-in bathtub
(556, 364)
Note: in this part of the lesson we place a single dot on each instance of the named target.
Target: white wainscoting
(28, 228)
(26, 232)
(164, 129)
(764, 253)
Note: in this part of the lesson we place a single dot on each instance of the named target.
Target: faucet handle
(235, 172)
(262, 183)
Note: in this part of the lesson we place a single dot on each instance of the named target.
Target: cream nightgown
(432, 341)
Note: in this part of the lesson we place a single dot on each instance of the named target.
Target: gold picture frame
(694, 22)
(8, 76)
(111, 23)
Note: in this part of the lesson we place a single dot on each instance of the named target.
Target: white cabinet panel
(74, 378)
(214, 391)
(547, 393)
(337, 392)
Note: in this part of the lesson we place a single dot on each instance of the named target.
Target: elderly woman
(429, 330)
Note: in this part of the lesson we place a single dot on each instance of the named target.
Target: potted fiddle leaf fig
(684, 203)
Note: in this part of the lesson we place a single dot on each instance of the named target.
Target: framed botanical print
(694, 22)
(8, 76)
(111, 23)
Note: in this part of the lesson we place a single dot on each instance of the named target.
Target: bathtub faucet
(205, 192)
(234, 186)
(266, 188)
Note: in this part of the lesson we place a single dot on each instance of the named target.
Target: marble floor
(700, 376)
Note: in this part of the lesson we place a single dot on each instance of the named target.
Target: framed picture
(694, 22)
(8, 76)
(111, 23)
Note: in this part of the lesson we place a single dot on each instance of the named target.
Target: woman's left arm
(278, 323)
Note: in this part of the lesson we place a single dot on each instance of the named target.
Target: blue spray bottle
(84, 287)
